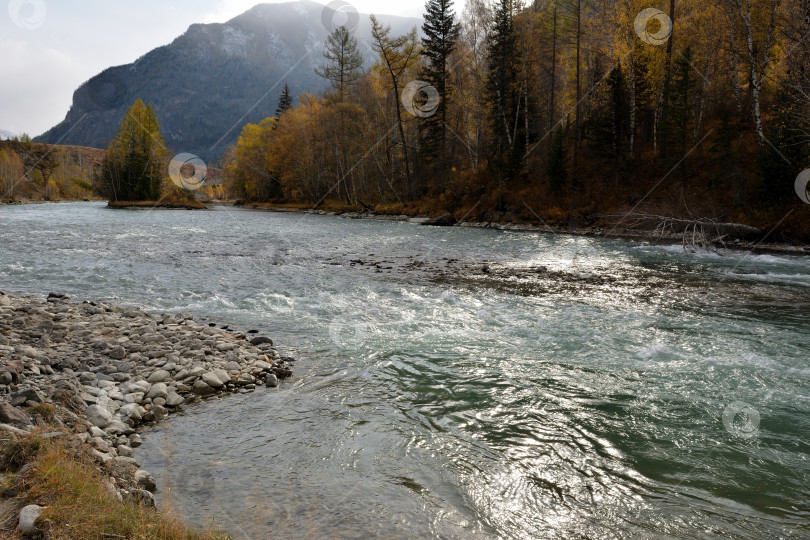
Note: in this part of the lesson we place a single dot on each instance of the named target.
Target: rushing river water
(460, 383)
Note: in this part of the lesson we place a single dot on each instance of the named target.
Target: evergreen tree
(285, 102)
(504, 99)
(682, 102)
(134, 167)
(344, 62)
(441, 34)
(557, 165)
(789, 151)
(607, 129)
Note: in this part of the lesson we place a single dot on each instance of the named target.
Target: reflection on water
(460, 383)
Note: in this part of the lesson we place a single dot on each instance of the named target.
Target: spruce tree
(285, 102)
(557, 165)
(344, 62)
(502, 85)
(134, 167)
(441, 34)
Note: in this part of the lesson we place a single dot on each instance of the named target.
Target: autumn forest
(558, 112)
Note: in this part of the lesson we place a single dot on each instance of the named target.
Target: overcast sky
(50, 47)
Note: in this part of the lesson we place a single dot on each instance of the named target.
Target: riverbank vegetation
(563, 112)
(35, 171)
(64, 481)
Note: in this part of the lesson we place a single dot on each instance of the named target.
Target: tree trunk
(552, 100)
(667, 82)
(632, 81)
(734, 66)
(579, 88)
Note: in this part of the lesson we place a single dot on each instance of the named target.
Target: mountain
(211, 81)
(6, 135)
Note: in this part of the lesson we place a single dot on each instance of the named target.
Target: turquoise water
(461, 383)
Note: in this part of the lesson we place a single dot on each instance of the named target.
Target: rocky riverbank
(95, 373)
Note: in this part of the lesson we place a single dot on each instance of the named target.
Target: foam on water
(429, 401)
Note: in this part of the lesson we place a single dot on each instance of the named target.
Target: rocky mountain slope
(215, 78)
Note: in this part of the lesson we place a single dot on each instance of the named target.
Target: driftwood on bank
(702, 233)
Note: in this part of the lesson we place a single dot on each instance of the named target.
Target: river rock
(271, 381)
(145, 480)
(211, 379)
(118, 353)
(173, 399)
(159, 376)
(98, 416)
(12, 415)
(202, 389)
(261, 341)
(158, 390)
(131, 411)
(28, 517)
(122, 467)
(29, 394)
(233, 366)
(143, 497)
(135, 440)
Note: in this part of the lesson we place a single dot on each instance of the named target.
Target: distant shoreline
(645, 235)
(641, 234)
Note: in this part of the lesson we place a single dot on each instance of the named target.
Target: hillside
(212, 80)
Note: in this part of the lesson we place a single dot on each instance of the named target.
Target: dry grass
(78, 502)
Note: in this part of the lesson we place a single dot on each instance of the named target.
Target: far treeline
(557, 111)
(35, 171)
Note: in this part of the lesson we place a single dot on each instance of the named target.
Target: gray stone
(143, 497)
(271, 381)
(18, 398)
(12, 415)
(159, 376)
(125, 367)
(158, 390)
(28, 517)
(211, 379)
(223, 375)
(135, 397)
(122, 467)
(135, 440)
(202, 389)
(125, 451)
(117, 427)
(98, 416)
(233, 366)
(261, 341)
(118, 353)
(131, 411)
(174, 399)
(145, 480)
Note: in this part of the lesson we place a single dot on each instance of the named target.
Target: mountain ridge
(212, 79)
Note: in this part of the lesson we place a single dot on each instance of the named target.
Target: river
(460, 383)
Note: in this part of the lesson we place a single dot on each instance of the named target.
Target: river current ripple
(460, 383)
